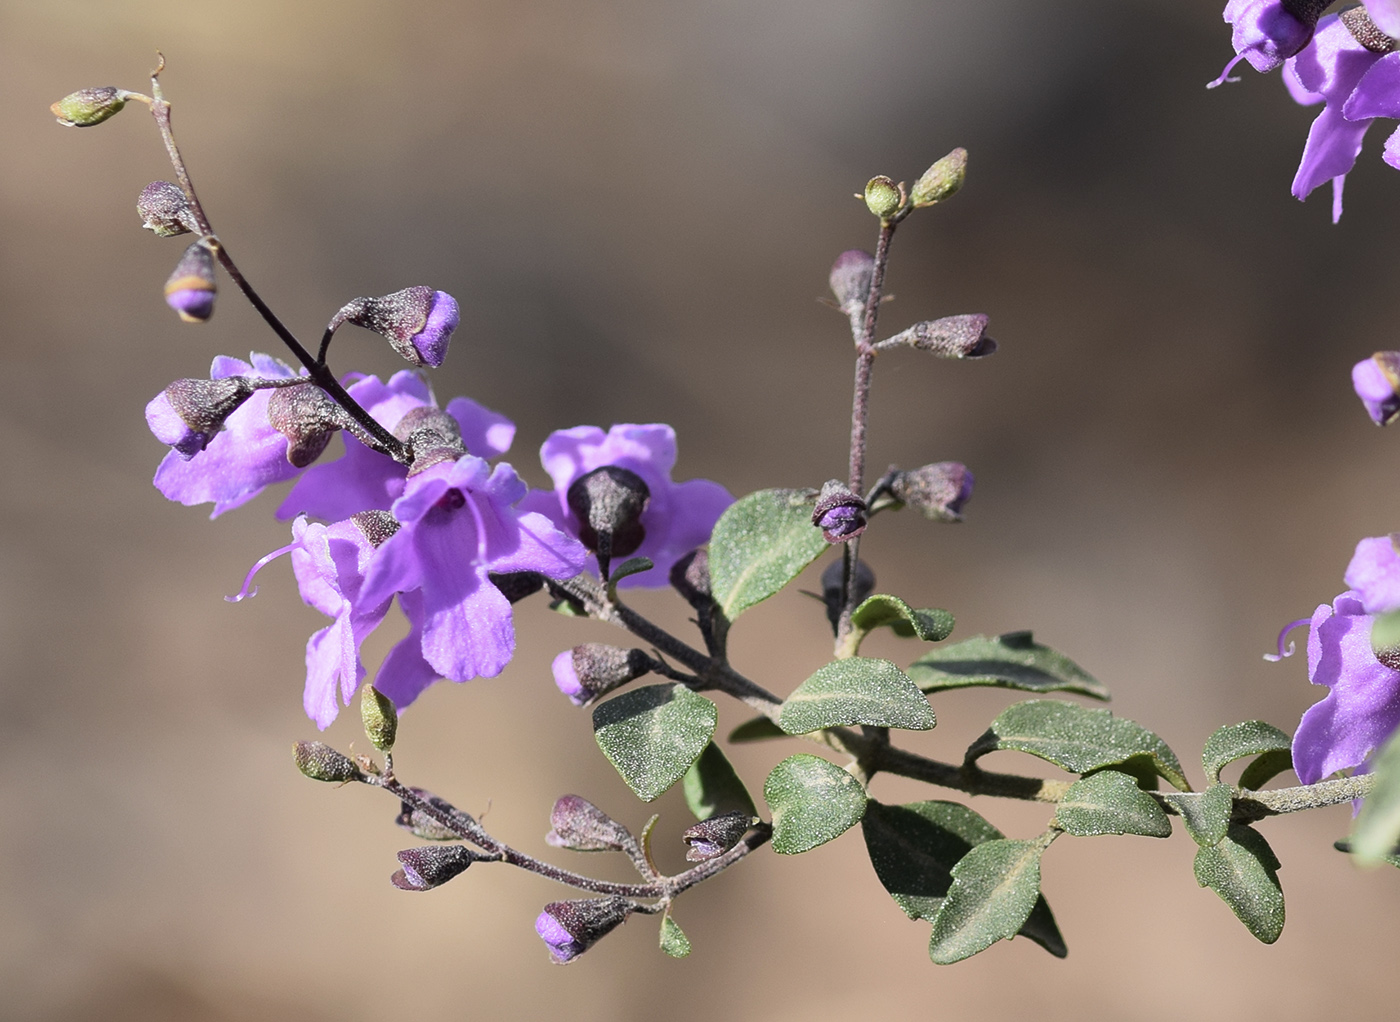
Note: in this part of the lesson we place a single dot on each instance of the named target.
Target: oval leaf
(1377, 829)
(858, 690)
(760, 544)
(712, 787)
(929, 624)
(994, 888)
(1110, 802)
(631, 566)
(1236, 741)
(1206, 814)
(1014, 660)
(1077, 738)
(812, 802)
(673, 940)
(1243, 870)
(653, 734)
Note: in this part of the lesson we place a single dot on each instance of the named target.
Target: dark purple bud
(320, 762)
(431, 435)
(431, 866)
(941, 180)
(1358, 22)
(582, 826)
(593, 669)
(715, 836)
(187, 414)
(949, 337)
(850, 279)
(165, 210)
(422, 825)
(417, 321)
(86, 107)
(572, 927)
(375, 526)
(839, 513)
(608, 504)
(937, 491)
(690, 576)
(863, 584)
(1377, 383)
(190, 290)
(516, 585)
(307, 417)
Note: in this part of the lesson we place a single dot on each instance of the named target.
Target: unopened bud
(832, 575)
(1377, 383)
(431, 435)
(422, 825)
(883, 197)
(375, 526)
(190, 290)
(165, 210)
(593, 669)
(690, 576)
(189, 413)
(320, 762)
(839, 513)
(608, 504)
(715, 836)
(380, 718)
(949, 337)
(431, 866)
(941, 180)
(417, 321)
(937, 491)
(307, 417)
(86, 107)
(580, 825)
(570, 928)
(850, 279)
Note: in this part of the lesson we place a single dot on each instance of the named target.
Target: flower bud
(715, 836)
(320, 762)
(570, 928)
(941, 180)
(608, 504)
(307, 417)
(593, 669)
(187, 414)
(863, 584)
(86, 107)
(582, 826)
(850, 279)
(375, 526)
(839, 513)
(937, 491)
(690, 576)
(165, 210)
(1377, 383)
(190, 290)
(949, 337)
(431, 866)
(883, 197)
(417, 322)
(421, 825)
(431, 435)
(380, 718)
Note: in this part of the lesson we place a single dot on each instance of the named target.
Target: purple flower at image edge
(1267, 32)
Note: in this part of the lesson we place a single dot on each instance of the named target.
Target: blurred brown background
(637, 204)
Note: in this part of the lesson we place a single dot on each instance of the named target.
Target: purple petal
(1331, 150)
(1385, 14)
(1377, 94)
(1374, 572)
(405, 674)
(332, 663)
(487, 434)
(360, 480)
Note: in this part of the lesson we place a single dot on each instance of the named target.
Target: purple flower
(678, 516)
(1374, 380)
(1266, 32)
(570, 928)
(1374, 574)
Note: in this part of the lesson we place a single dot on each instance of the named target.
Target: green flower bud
(941, 180)
(87, 107)
(320, 762)
(883, 197)
(380, 718)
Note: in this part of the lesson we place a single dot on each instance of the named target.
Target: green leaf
(760, 544)
(756, 730)
(1110, 802)
(812, 802)
(653, 734)
(1014, 660)
(1377, 829)
(1243, 870)
(1236, 741)
(1077, 738)
(995, 887)
(1206, 814)
(858, 690)
(631, 566)
(914, 849)
(673, 940)
(712, 787)
(1265, 768)
(929, 624)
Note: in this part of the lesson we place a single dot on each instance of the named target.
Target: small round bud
(937, 491)
(570, 928)
(594, 669)
(832, 574)
(580, 825)
(431, 435)
(190, 290)
(883, 197)
(850, 279)
(608, 504)
(1377, 383)
(307, 417)
(86, 107)
(189, 413)
(715, 836)
(949, 337)
(320, 762)
(380, 718)
(690, 576)
(431, 866)
(839, 513)
(165, 210)
(417, 322)
(941, 180)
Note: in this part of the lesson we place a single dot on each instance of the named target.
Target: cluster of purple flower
(436, 533)
(1349, 62)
